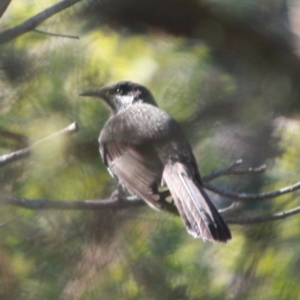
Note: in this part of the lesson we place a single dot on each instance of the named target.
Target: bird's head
(120, 95)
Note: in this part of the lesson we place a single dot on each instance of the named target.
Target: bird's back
(144, 146)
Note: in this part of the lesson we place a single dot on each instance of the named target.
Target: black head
(120, 95)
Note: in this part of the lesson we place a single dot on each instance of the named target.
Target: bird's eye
(121, 89)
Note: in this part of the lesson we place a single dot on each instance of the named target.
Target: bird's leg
(120, 193)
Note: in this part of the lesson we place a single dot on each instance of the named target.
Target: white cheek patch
(125, 100)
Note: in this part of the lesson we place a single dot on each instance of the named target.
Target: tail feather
(199, 215)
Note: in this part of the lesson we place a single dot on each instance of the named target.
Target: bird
(144, 149)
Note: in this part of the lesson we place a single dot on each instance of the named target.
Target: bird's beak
(100, 93)
(94, 93)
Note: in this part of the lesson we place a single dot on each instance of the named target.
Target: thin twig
(57, 34)
(233, 206)
(215, 173)
(33, 22)
(249, 196)
(260, 219)
(8, 158)
(231, 170)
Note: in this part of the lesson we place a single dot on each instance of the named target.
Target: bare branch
(233, 206)
(118, 202)
(37, 204)
(57, 34)
(260, 219)
(249, 196)
(33, 22)
(231, 170)
(216, 173)
(7, 158)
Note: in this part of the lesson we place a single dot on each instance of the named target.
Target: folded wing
(136, 167)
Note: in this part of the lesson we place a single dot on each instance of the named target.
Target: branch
(33, 22)
(36, 204)
(249, 196)
(7, 158)
(57, 34)
(118, 202)
(233, 206)
(3, 6)
(231, 170)
(260, 219)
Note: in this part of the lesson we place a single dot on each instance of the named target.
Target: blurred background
(229, 71)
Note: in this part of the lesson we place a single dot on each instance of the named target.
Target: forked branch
(31, 24)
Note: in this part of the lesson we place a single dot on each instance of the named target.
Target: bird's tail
(199, 215)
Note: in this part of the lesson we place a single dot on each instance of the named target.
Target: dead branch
(8, 158)
(57, 34)
(250, 196)
(232, 207)
(119, 202)
(30, 24)
(103, 204)
(231, 170)
(264, 218)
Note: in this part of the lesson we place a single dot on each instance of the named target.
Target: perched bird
(143, 148)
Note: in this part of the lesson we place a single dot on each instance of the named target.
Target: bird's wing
(198, 213)
(127, 148)
(134, 166)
